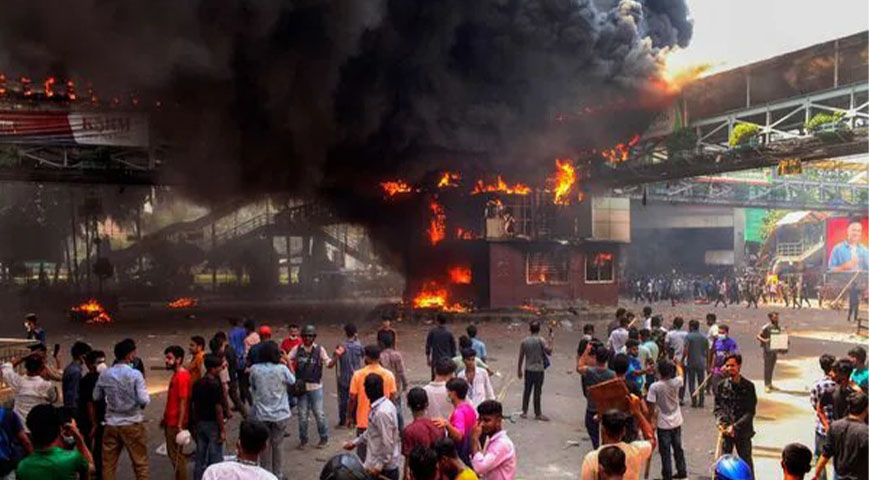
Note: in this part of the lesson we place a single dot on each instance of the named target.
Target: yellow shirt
(467, 474)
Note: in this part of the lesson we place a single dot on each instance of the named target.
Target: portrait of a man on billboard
(849, 254)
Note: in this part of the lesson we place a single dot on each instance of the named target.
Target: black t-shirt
(440, 343)
(207, 394)
(847, 444)
(838, 398)
(85, 397)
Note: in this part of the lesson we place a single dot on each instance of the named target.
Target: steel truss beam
(117, 165)
(782, 136)
(780, 193)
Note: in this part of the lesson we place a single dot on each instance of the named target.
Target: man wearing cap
(309, 359)
(264, 332)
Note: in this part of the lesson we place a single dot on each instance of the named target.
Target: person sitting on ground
(636, 453)
(612, 463)
(449, 465)
(252, 438)
(796, 461)
(49, 459)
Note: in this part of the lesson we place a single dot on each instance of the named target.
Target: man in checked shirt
(819, 388)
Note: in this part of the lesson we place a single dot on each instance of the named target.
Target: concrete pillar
(738, 238)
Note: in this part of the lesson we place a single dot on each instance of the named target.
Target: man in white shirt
(382, 435)
(663, 400)
(619, 336)
(439, 405)
(31, 389)
(478, 379)
(636, 453)
(252, 438)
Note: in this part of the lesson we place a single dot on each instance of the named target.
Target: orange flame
(463, 234)
(93, 312)
(501, 186)
(449, 179)
(437, 229)
(565, 177)
(600, 258)
(48, 83)
(394, 188)
(620, 152)
(672, 79)
(183, 302)
(436, 297)
(460, 275)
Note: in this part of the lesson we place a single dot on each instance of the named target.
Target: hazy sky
(730, 33)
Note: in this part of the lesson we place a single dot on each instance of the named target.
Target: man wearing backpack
(309, 359)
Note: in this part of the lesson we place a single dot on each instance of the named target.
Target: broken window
(599, 268)
(547, 267)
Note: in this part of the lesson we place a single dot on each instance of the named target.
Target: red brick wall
(508, 286)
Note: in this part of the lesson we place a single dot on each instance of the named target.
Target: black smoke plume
(328, 97)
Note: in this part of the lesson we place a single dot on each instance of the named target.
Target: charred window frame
(547, 268)
(599, 267)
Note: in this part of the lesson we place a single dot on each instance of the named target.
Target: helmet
(731, 467)
(344, 466)
(309, 330)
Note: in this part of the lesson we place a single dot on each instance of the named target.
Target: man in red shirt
(421, 431)
(293, 339)
(175, 416)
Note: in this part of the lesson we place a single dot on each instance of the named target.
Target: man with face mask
(175, 416)
(721, 348)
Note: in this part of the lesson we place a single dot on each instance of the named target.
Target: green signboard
(753, 223)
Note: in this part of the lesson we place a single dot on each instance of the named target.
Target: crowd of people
(454, 430)
(793, 291)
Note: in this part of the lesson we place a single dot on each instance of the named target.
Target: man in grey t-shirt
(663, 400)
(533, 352)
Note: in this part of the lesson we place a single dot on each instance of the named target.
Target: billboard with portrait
(848, 244)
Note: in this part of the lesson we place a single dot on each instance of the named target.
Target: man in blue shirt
(477, 344)
(850, 255)
(126, 396)
(349, 355)
(73, 373)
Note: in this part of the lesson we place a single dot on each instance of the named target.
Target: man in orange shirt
(197, 352)
(175, 415)
(359, 402)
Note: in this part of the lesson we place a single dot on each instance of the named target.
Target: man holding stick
(735, 406)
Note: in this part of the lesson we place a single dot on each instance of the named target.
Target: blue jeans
(343, 401)
(592, 426)
(820, 440)
(208, 451)
(312, 400)
(667, 440)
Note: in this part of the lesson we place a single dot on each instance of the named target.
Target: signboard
(666, 122)
(122, 129)
(848, 244)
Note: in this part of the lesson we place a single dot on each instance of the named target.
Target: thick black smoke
(327, 97)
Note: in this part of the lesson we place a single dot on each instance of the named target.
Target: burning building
(498, 244)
